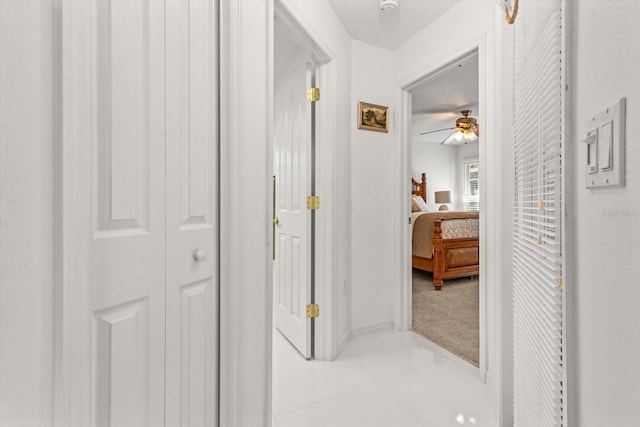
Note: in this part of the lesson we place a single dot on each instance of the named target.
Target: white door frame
(405, 308)
(491, 199)
(246, 206)
(246, 297)
(323, 348)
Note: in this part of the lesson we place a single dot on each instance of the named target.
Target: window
(471, 195)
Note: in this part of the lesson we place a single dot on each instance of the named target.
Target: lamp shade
(443, 196)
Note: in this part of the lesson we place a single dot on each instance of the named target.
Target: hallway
(382, 378)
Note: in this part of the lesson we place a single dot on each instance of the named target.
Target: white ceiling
(365, 22)
(438, 100)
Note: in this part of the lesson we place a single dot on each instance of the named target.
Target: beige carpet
(448, 318)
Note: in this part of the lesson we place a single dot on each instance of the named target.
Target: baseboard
(347, 337)
(371, 328)
(342, 344)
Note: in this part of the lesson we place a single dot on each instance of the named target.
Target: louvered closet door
(539, 139)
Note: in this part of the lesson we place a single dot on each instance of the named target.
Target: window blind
(471, 198)
(537, 259)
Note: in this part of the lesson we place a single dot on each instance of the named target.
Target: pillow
(418, 204)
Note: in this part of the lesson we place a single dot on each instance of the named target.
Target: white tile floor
(382, 379)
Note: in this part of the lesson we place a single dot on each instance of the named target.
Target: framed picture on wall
(372, 117)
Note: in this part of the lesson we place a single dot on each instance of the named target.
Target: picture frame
(373, 117)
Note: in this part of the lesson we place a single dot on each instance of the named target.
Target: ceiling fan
(466, 128)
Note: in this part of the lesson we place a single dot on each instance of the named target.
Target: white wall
(372, 191)
(27, 211)
(607, 222)
(439, 163)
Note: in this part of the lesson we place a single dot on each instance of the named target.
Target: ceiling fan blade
(448, 139)
(434, 131)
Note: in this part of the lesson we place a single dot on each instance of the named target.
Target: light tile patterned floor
(382, 379)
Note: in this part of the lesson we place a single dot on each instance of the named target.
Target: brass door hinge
(313, 311)
(313, 94)
(313, 202)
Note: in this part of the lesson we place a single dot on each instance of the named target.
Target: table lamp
(443, 197)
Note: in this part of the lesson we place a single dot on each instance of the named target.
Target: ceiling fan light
(458, 135)
(469, 135)
(389, 7)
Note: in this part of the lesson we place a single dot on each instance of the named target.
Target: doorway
(294, 189)
(445, 138)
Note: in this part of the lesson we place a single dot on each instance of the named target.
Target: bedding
(418, 204)
(455, 225)
(444, 243)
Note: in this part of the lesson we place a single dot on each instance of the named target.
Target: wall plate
(605, 145)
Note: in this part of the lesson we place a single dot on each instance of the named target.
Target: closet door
(139, 307)
(192, 218)
(539, 357)
(126, 206)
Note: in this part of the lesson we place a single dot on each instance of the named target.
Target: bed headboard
(420, 188)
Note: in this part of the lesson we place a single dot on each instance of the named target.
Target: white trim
(489, 188)
(491, 200)
(402, 253)
(326, 261)
(372, 328)
(500, 352)
(245, 261)
(73, 319)
(568, 227)
(229, 252)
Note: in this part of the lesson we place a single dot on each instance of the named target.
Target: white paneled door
(292, 169)
(192, 180)
(127, 247)
(140, 105)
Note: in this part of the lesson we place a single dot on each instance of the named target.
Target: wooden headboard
(420, 188)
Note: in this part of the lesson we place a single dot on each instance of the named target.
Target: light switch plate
(609, 146)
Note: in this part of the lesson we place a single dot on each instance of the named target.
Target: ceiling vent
(389, 6)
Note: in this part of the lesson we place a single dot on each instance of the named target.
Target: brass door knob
(276, 221)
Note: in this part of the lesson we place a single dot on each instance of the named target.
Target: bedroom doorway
(445, 232)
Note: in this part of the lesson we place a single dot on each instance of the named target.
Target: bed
(444, 243)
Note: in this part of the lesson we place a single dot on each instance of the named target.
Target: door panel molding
(106, 201)
(121, 114)
(115, 328)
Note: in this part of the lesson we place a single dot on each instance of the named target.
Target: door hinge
(313, 94)
(313, 202)
(313, 311)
